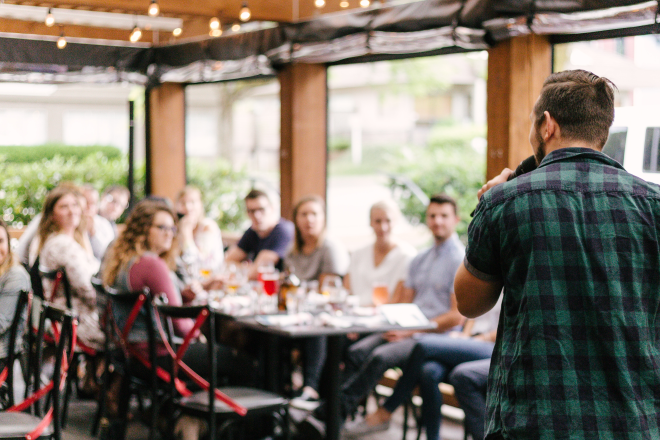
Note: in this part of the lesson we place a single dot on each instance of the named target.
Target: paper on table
(405, 315)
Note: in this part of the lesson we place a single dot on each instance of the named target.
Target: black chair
(120, 340)
(211, 404)
(7, 364)
(15, 424)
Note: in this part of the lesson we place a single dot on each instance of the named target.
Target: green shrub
(25, 185)
(223, 190)
(449, 165)
(339, 144)
(27, 154)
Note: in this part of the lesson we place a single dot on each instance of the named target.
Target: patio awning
(390, 31)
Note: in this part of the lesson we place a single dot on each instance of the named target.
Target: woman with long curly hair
(62, 243)
(144, 255)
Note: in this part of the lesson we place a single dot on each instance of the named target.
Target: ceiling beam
(35, 28)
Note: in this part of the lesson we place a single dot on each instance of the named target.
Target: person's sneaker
(311, 429)
(306, 401)
(361, 427)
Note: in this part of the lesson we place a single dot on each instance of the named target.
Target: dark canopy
(391, 31)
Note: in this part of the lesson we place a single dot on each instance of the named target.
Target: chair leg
(406, 408)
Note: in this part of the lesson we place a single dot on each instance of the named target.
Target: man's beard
(539, 154)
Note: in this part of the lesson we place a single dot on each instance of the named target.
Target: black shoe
(320, 412)
(311, 429)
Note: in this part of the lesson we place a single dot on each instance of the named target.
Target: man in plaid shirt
(575, 244)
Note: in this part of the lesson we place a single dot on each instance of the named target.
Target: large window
(651, 147)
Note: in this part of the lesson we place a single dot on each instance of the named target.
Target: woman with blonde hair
(199, 236)
(383, 263)
(62, 243)
(13, 280)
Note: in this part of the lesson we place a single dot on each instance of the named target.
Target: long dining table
(273, 334)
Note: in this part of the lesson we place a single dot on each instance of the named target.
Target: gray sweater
(11, 284)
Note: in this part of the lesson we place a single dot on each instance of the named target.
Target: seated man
(99, 229)
(429, 285)
(267, 240)
(470, 381)
(113, 203)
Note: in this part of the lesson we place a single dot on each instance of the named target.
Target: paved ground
(81, 415)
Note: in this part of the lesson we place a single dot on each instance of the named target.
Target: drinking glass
(379, 294)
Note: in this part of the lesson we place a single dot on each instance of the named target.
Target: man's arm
(402, 294)
(449, 319)
(235, 255)
(473, 295)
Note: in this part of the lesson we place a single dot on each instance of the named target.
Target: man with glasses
(114, 202)
(267, 240)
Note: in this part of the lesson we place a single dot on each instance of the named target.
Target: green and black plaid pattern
(576, 245)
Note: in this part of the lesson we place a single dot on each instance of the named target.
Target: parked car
(634, 141)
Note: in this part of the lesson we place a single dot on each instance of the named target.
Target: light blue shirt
(431, 275)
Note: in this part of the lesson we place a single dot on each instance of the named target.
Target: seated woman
(62, 243)
(144, 255)
(13, 279)
(430, 363)
(385, 262)
(313, 257)
(199, 236)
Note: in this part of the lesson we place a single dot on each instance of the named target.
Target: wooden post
(516, 71)
(166, 152)
(303, 146)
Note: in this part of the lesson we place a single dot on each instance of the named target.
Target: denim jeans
(470, 381)
(431, 361)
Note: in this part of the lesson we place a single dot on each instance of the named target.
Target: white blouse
(363, 273)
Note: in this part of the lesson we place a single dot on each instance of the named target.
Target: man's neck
(440, 240)
(568, 143)
(266, 232)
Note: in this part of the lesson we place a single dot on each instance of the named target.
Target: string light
(214, 23)
(343, 4)
(365, 3)
(50, 19)
(176, 32)
(215, 32)
(235, 27)
(154, 8)
(245, 13)
(61, 42)
(136, 34)
(319, 3)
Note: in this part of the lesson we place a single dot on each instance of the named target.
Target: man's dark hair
(582, 104)
(255, 194)
(441, 199)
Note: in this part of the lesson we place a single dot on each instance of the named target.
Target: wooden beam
(516, 71)
(166, 153)
(73, 31)
(303, 147)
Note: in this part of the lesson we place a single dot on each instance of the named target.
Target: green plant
(223, 190)
(25, 185)
(339, 144)
(24, 154)
(449, 165)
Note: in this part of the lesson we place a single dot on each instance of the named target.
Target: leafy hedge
(449, 164)
(23, 154)
(25, 185)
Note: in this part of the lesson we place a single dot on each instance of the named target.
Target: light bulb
(61, 42)
(214, 23)
(245, 13)
(154, 8)
(215, 32)
(135, 35)
(235, 27)
(319, 3)
(343, 4)
(50, 19)
(176, 32)
(365, 3)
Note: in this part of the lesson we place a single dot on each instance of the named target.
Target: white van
(634, 141)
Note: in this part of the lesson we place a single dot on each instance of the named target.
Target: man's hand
(398, 335)
(501, 178)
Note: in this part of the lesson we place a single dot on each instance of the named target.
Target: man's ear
(550, 127)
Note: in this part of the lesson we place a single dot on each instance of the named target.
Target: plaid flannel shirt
(576, 245)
